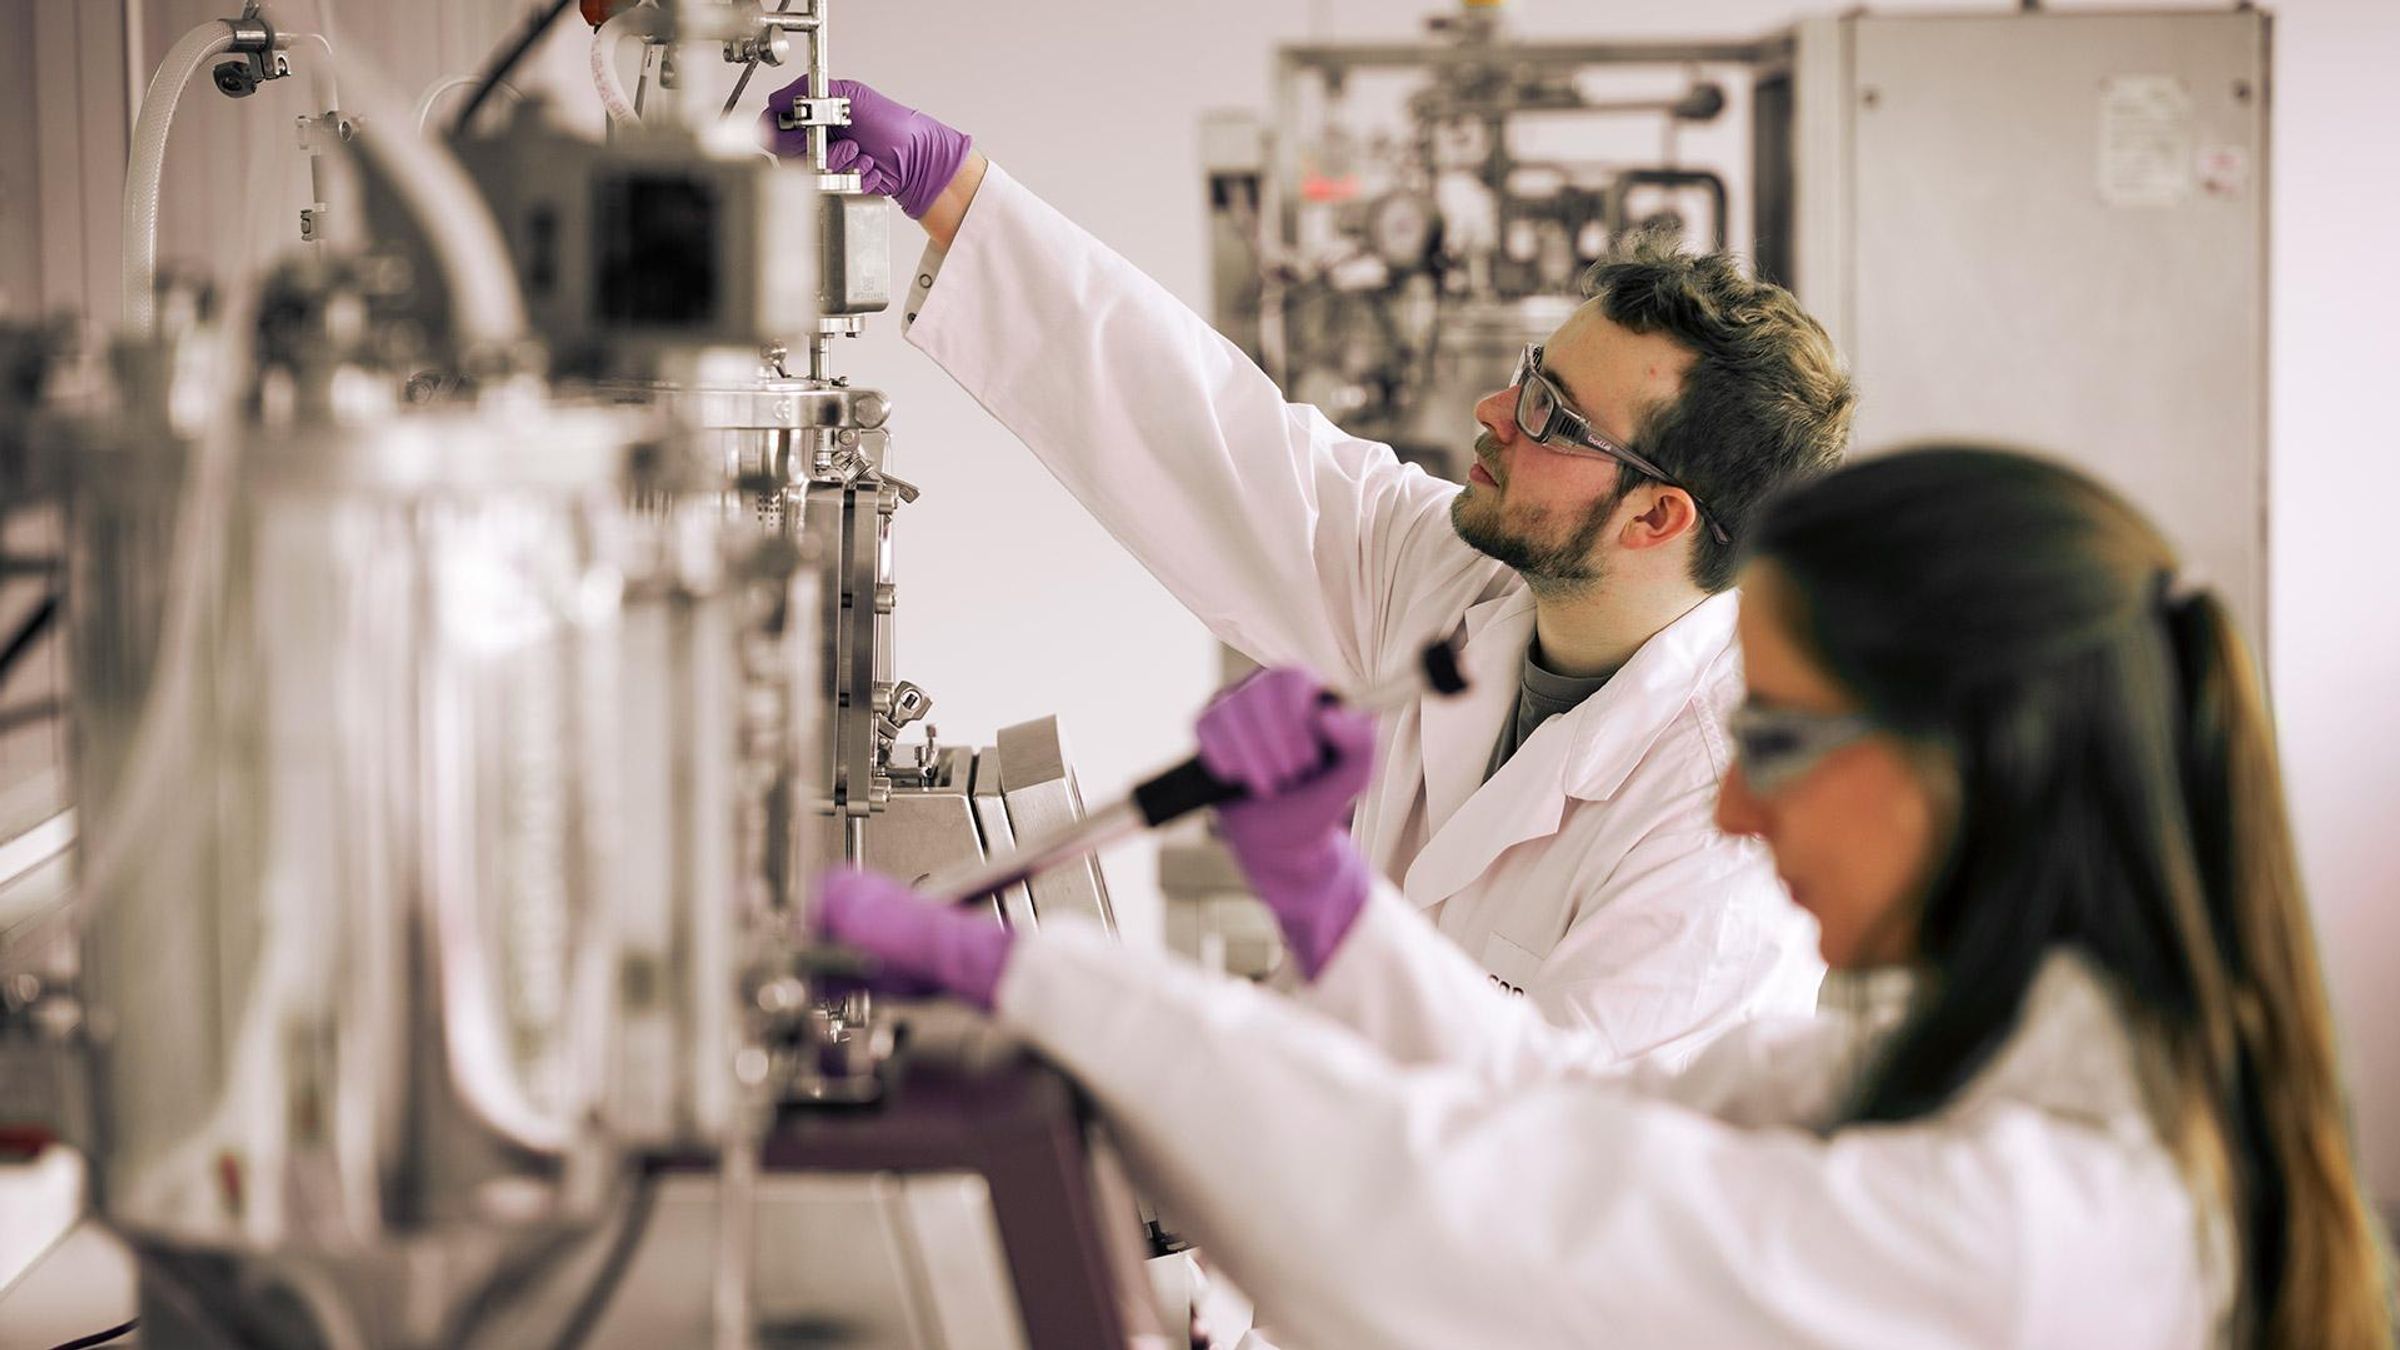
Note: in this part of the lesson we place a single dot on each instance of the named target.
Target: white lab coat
(1588, 873)
(1529, 1191)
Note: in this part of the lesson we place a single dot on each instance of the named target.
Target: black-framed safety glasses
(1544, 415)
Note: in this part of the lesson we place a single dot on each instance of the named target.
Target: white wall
(2334, 472)
(1013, 604)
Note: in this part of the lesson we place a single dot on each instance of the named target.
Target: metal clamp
(850, 465)
(899, 705)
(258, 60)
(814, 112)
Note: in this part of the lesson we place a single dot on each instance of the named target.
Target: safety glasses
(1776, 746)
(1544, 415)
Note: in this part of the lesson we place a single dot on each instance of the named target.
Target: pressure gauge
(1400, 229)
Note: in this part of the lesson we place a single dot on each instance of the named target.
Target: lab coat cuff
(1347, 977)
(982, 231)
(920, 287)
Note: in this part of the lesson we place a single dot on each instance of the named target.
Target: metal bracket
(258, 60)
(315, 135)
(768, 47)
(342, 127)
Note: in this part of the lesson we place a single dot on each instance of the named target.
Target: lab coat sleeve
(1416, 996)
(1401, 984)
(1293, 541)
(1369, 1203)
(1687, 932)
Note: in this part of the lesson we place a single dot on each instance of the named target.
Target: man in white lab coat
(1555, 822)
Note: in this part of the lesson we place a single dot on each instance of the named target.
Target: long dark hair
(2118, 795)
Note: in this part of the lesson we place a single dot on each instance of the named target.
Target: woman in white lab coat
(2075, 1085)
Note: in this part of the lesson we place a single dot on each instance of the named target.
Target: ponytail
(2117, 798)
(2316, 1275)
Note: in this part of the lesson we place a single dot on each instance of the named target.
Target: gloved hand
(927, 945)
(1303, 761)
(897, 151)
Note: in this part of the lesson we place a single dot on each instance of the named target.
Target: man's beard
(1555, 568)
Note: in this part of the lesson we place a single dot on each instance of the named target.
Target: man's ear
(1661, 515)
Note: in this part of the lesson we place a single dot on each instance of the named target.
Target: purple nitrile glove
(1303, 760)
(895, 150)
(922, 941)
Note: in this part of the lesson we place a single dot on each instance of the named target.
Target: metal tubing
(137, 67)
(733, 1311)
(1342, 56)
(820, 139)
